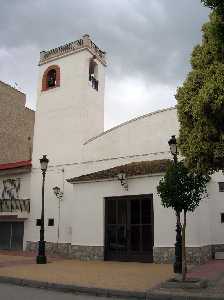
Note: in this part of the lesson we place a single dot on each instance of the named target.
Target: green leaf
(200, 100)
(180, 189)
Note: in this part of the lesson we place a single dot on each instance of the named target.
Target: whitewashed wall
(69, 129)
(146, 136)
(216, 207)
(88, 213)
(82, 211)
(54, 177)
(68, 115)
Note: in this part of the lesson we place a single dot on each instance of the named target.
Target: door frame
(138, 257)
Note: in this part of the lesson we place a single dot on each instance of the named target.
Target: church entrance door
(129, 228)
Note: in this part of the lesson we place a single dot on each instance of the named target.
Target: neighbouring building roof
(130, 169)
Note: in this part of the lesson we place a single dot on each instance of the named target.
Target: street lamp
(59, 194)
(173, 147)
(123, 180)
(177, 267)
(41, 258)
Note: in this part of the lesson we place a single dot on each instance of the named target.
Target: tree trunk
(184, 264)
(177, 267)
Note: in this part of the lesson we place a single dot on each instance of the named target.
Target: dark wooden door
(129, 228)
(17, 236)
(11, 235)
(5, 234)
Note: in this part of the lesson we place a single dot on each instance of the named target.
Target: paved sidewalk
(15, 258)
(95, 274)
(138, 280)
(213, 272)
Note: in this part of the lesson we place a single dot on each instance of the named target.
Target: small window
(222, 217)
(221, 186)
(93, 73)
(38, 222)
(50, 222)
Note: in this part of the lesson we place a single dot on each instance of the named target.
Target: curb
(148, 295)
(194, 283)
(68, 288)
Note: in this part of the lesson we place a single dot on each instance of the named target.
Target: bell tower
(70, 100)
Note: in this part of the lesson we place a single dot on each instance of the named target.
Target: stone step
(219, 255)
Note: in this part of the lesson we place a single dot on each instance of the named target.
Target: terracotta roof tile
(131, 169)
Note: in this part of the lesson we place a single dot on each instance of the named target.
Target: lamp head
(121, 176)
(173, 145)
(56, 190)
(44, 163)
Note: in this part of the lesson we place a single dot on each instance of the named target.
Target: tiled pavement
(213, 270)
(129, 277)
(96, 274)
(15, 258)
(11, 259)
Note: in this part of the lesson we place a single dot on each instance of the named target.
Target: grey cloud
(140, 35)
(151, 39)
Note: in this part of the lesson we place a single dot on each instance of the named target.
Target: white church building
(107, 207)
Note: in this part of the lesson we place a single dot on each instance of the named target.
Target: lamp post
(177, 267)
(41, 257)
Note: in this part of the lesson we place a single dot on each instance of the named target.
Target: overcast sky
(148, 45)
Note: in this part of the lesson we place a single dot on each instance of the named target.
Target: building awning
(17, 164)
(18, 167)
(130, 169)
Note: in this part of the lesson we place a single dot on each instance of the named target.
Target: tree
(182, 191)
(200, 101)
(213, 3)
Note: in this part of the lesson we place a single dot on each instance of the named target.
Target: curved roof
(128, 122)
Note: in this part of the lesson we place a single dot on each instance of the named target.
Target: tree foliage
(181, 189)
(213, 3)
(200, 101)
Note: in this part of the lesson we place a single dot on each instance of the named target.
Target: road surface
(13, 292)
